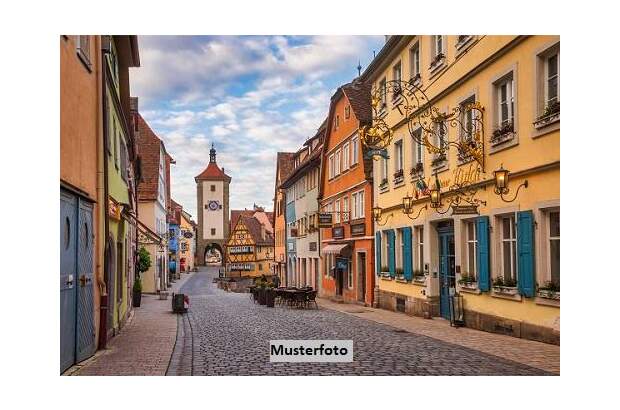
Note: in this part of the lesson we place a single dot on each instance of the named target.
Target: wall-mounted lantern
(377, 212)
(501, 177)
(408, 207)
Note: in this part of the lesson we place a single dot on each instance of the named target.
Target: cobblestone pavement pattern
(230, 336)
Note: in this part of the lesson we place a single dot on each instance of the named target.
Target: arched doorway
(213, 254)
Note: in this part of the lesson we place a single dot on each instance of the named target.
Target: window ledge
(419, 282)
(399, 182)
(472, 290)
(384, 188)
(440, 166)
(504, 143)
(386, 276)
(547, 302)
(548, 294)
(546, 121)
(437, 66)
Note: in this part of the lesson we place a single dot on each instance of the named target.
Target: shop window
(509, 249)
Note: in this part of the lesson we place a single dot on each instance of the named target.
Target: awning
(335, 248)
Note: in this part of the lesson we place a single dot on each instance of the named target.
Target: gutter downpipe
(103, 307)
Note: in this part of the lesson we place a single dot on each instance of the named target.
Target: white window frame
(513, 246)
(357, 205)
(346, 152)
(419, 235)
(397, 75)
(345, 208)
(354, 150)
(331, 166)
(337, 162)
(414, 60)
(473, 242)
(508, 82)
(438, 44)
(337, 211)
(398, 147)
(383, 91)
(546, 78)
(399, 252)
(384, 169)
(550, 239)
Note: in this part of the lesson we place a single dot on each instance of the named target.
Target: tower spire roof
(212, 154)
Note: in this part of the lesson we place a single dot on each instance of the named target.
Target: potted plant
(418, 276)
(383, 183)
(400, 274)
(438, 160)
(467, 281)
(502, 132)
(398, 174)
(437, 59)
(137, 292)
(505, 286)
(143, 264)
(385, 271)
(550, 290)
(417, 169)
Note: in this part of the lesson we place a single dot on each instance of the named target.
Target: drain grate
(399, 331)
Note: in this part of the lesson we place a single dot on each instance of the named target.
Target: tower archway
(214, 255)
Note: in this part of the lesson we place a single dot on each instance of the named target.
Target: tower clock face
(213, 205)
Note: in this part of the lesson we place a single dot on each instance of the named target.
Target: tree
(144, 260)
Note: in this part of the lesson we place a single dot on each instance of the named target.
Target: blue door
(447, 279)
(68, 278)
(85, 306)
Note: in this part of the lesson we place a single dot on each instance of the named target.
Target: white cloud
(252, 96)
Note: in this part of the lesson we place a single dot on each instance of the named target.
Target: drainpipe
(103, 306)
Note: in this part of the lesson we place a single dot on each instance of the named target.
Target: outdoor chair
(311, 298)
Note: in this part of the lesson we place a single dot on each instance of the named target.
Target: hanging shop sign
(114, 209)
(325, 220)
(358, 229)
(188, 234)
(465, 210)
(338, 232)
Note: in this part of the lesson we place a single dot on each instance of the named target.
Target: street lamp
(376, 215)
(501, 177)
(408, 207)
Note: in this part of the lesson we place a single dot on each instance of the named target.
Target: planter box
(505, 290)
(549, 294)
(386, 276)
(544, 121)
(469, 285)
(419, 279)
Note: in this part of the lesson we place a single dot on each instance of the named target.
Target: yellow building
(186, 243)
(250, 249)
(457, 109)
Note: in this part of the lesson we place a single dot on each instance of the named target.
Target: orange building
(347, 247)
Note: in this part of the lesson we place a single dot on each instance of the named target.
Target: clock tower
(212, 189)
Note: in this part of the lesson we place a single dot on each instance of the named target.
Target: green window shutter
(525, 250)
(391, 251)
(378, 253)
(407, 269)
(482, 256)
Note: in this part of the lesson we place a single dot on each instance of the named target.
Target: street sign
(371, 153)
(325, 220)
(465, 210)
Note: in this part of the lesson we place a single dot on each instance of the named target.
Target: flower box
(418, 169)
(469, 285)
(415, 80)
(437, 60)
(505, 290)
(544, 121)
(503, 133)
(438, 161)
(549, 294)
(419, 279)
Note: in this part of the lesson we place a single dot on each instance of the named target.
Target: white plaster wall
(213, 219)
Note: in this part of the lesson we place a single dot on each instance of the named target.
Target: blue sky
(252, 96)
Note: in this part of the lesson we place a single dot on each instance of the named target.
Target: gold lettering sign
(468, 176)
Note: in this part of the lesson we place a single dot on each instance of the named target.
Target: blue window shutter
(407, 253)
(391, 252)
(378, 253)
(525, 250)
(482, 256)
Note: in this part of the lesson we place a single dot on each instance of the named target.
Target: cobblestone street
(227, 334)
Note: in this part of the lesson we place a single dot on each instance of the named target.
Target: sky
(251, 96)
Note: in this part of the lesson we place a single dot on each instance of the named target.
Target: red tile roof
(256, 231)
(149, 148)
(358, 94)
(212, 172)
